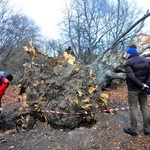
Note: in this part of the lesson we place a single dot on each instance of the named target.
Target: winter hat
(9, 77)
(131, 50)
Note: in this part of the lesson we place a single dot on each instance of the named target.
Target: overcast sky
(47, 13)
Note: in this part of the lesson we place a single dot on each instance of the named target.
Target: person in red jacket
(4, 83)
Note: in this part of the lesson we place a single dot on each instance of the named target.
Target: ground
(106, 134)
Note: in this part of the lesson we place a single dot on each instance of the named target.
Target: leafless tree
(15, 31)
(100, 31)
(92, 25)
(52, 47)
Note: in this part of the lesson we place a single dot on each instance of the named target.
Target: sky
(48, 13)
(145, 5)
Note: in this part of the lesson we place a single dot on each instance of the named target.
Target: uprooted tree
(63, 89)
(109, 64)
(67, 92)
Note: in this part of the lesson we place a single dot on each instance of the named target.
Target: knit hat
(131, 50)
(9, 77)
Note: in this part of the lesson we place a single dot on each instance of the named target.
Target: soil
(106, 134)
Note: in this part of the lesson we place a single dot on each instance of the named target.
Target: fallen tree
(63, 89)
(109, 64)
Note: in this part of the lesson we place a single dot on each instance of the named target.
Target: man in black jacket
(137, 74)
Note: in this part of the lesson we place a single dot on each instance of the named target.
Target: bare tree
(104, 29)
(15, 31)
(4, 19)
(93, 25)
(52, 47)
(107, 71)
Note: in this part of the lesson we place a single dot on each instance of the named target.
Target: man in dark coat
(137, 74)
